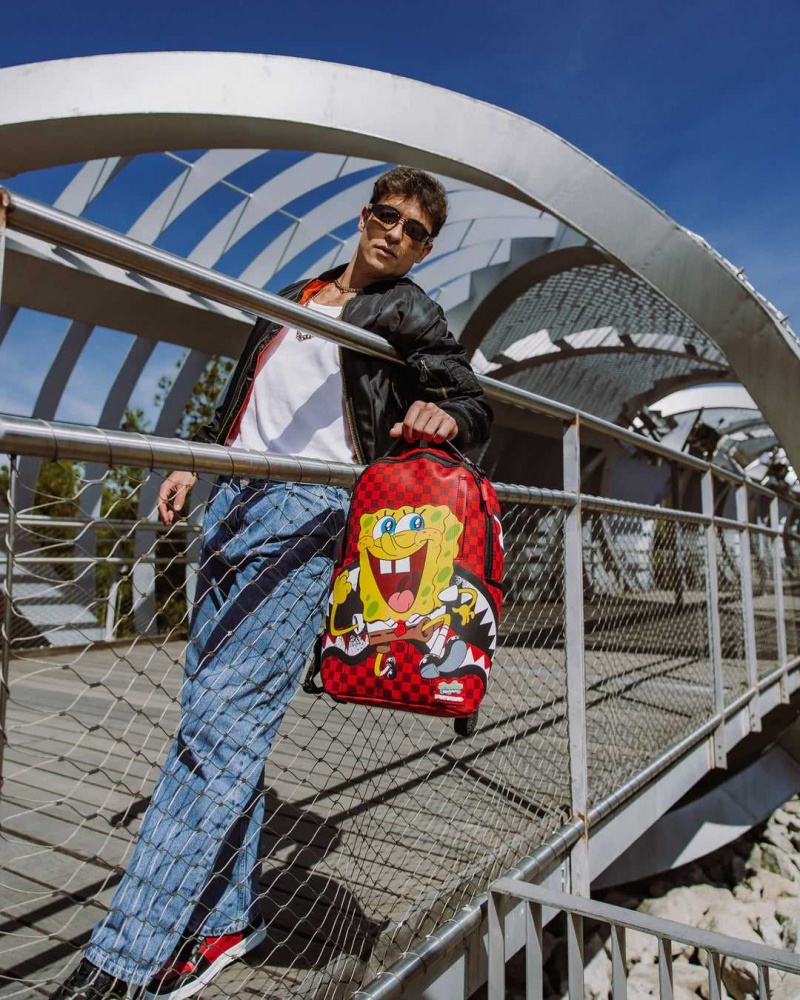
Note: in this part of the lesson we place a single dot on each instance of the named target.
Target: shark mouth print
(398, 579)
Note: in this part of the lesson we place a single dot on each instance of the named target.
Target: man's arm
(443, 376)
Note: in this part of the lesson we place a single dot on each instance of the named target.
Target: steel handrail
(710, 941)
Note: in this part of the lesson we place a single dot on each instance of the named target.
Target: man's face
(389, 252)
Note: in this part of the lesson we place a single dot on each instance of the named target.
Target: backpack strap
(310, 685)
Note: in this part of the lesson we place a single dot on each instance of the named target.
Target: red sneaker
(199, 960)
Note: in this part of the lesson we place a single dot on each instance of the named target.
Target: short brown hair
(413, 183)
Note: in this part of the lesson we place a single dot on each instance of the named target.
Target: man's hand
(426, 422)
(172, 495)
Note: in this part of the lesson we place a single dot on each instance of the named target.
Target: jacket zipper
(348, 413)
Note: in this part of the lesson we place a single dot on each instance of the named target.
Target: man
(189, 904)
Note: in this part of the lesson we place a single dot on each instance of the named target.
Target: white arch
(80, 109)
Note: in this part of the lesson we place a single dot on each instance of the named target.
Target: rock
(784, 986)
(738, 976)
(643, 983)
(770, 931)
(773, 859)
(748, 891)
(787, 908)
(597, 977)
(754, 910)
(774, 886)
(640, 948)
(777, 837)
(754, 859)
(686, 905)
(690, 977)
(790, 935)
(731, 920)
(781, 818)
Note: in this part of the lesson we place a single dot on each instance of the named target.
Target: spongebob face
(406, 559)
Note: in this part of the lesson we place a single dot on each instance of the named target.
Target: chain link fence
(731, 612)
(377, 825)
(649, 677)
(628, 625)
(764, 601)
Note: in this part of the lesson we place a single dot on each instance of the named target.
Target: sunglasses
(388, 217)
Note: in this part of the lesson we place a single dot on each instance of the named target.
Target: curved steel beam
(532, 272)
(75, 109)
(553, 357)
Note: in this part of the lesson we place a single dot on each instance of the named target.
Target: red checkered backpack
(415, 597)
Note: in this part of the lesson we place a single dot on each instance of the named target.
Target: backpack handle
(400, 444)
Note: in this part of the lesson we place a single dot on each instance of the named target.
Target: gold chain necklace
(344, 288)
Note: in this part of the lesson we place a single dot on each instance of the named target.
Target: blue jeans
(264, 573)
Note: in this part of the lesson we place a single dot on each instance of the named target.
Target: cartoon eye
(386, 526)
(411, 522)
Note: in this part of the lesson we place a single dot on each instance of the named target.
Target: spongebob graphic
(405, 586)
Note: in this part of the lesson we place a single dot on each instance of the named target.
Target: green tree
(203, 399)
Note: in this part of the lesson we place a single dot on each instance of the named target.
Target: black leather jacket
(378, 393)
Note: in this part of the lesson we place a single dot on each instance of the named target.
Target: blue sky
(695, 104)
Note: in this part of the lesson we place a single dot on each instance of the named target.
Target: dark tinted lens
(416, 231)
(386, 214)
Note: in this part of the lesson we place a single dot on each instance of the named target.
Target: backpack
(414, 607)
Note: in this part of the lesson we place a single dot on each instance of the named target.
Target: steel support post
(575, 955)
(714, 638)
(574, 650)
(534, 952)
(777, 573)
(3, 218)
(8, 593)
(497, 948)
(619, 968)
(748, 614)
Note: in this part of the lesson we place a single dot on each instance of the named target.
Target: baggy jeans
(265, 567)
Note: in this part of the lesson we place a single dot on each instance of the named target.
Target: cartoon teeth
(395, 565)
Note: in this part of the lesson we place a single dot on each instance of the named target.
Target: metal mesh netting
(791, 607)
(731, 614)
(764, 601)
(376, 824)
(648, 671)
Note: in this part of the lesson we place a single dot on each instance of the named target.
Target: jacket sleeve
(417, 328)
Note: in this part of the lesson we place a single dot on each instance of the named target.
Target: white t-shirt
(296, 404)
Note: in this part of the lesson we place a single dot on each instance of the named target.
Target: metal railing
(718, 949)
(630, 634)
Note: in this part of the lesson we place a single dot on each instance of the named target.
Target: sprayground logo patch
(449, 691)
